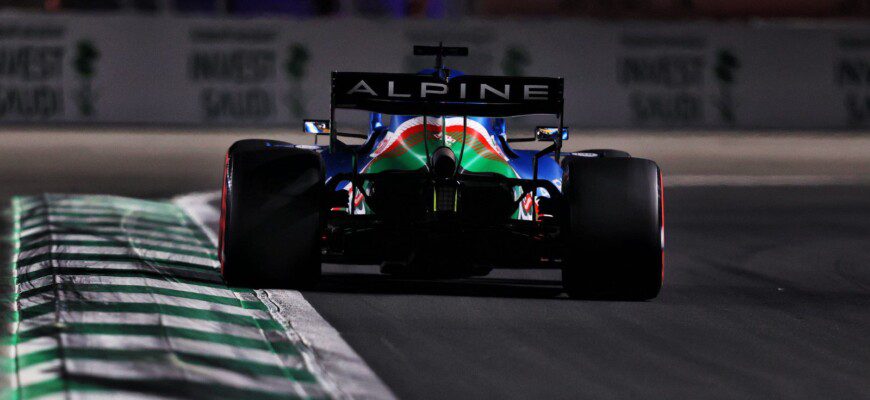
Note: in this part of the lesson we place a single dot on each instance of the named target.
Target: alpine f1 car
(436, 190)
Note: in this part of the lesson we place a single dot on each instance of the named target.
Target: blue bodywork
(522, 163)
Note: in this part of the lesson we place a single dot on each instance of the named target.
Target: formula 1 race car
(437, 191)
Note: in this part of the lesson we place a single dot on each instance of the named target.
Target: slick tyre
(271, 215)
(614, 228)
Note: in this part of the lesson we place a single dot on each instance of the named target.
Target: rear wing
(465, 95)
(439, 94)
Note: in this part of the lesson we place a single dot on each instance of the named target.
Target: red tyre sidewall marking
(223, 221)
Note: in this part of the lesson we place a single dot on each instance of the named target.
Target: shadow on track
(516, 284)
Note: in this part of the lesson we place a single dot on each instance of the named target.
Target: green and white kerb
(122, 297)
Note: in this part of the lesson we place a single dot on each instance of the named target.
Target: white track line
(339, 368)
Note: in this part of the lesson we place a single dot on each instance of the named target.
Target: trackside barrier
(274, 72)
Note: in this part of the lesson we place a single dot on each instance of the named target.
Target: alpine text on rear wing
(476, 95)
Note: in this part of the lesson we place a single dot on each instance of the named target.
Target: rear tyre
(614, 229)
(271, 215)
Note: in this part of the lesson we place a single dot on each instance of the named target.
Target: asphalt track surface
(766, 296)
